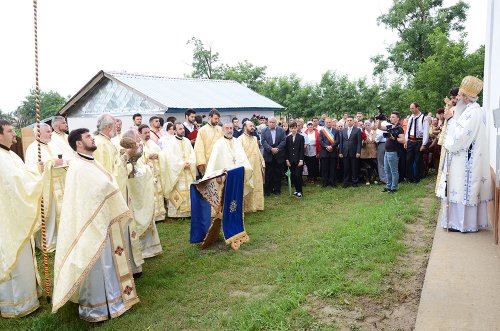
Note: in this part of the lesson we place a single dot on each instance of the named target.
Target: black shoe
(386, 190)
(453, 230)
(345, 186)
(277, 192)
(393, 191)
(355, 185)
(324, 185)
(267, 194)
(137, 275)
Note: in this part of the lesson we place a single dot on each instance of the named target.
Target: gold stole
(177, 198)
(122, 266)
(155, 167)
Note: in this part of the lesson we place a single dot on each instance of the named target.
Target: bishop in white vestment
(465, 184)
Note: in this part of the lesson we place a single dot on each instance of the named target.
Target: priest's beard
(459, 108)
(90, 148)
(228, 135)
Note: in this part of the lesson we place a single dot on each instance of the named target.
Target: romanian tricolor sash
(328, 135)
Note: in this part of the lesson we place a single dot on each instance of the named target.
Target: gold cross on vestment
(128, 290)
(119, 250)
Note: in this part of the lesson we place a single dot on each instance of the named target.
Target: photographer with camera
(394, 139)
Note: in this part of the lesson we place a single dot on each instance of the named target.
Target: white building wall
(491, 94)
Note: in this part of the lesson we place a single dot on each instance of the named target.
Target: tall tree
(6, 117)
(283, 90)
(244, 72)
(414, 21)
(444, 69)
(50, 103)
(204, 60)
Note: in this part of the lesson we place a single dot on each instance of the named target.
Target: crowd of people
(103, 192)
(353, 150)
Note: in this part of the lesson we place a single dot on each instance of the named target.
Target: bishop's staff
(441, 165)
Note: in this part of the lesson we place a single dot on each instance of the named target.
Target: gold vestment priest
(255, 200)
(91, 263)
(205, 140)
(229, 154)
(176, 184)
(141, 189)
(150, 147)
(20, 209)
(109, 157)
(53, 188)
(60, 142)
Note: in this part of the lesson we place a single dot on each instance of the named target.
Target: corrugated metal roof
(194, 93)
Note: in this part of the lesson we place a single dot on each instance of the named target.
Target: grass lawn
(332, 243)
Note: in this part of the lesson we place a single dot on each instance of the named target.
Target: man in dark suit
(329, 140)
(350, 151)
(294, 154)
(273, 141)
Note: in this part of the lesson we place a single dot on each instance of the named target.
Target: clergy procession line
(104, 192)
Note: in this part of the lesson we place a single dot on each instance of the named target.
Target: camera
(380, 116)
(392, 130)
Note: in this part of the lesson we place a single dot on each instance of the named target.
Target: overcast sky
(79, 38)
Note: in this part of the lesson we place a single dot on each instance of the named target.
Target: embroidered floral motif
(233, 206)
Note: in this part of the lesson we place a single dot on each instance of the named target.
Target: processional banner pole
(42, 209)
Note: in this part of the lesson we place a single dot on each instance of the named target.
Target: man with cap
(465, 185)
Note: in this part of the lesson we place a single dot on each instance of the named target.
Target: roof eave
(84, 90)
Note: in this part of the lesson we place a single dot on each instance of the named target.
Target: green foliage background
(421, 66)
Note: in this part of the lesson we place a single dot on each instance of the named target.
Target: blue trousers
(391, 170)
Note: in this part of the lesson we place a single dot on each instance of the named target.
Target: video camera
(392, 130)
(380, 116)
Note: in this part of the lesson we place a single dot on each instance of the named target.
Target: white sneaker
(298, 195)
(295, 193)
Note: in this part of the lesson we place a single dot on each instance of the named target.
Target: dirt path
(396, 308)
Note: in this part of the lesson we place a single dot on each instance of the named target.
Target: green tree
(283, 90)
(244, 72)
(50, 103)
(414, 21)
(6, 117)
(204, 60)
(444, 69)
(395, 98)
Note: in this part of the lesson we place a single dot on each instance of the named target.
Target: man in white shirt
(417, 135)
(380, 140)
